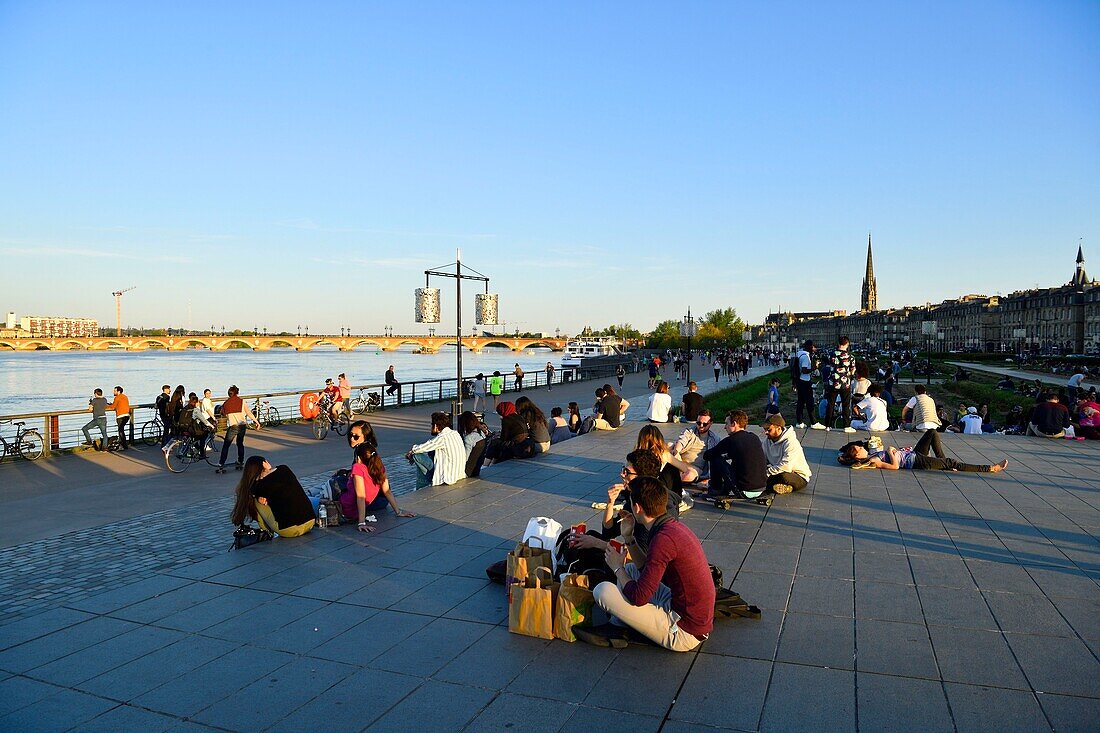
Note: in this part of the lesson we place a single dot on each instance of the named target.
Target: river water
(44, 381)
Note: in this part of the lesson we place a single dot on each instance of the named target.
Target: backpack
(186, 420)
(796, 369)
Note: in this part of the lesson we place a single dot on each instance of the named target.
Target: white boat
(590, 347)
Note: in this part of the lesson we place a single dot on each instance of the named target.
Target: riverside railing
(62, 429)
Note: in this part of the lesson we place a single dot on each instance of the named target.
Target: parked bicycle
(324, 421)
(187, 450)
(360, 404)
(27, 443)
(266, 413)
(152, 432)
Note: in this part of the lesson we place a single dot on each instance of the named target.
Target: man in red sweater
(667, 594)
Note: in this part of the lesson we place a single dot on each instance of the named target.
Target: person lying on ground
(668, 598)
(274, 497)
(868, 454)
(368, 488)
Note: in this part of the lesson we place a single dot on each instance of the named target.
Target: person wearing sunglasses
(687, 452)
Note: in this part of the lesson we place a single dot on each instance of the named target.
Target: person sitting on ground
(660, 404)
(737, 462)
(872, 411)
(692, 402)
(274, 497)
(960, 413)
(609, 410)
(624, 405)
(925, 416)
(872, 454)
(1089, 419)
(537, 426)
(600, 394)
(691, 445)
(1015, 421)
(368, 488)
(787, 468)
(971, 422)
(441, 460)
(513, 440)
(987, 422)
(666, 593)
(574, 418)
(472, 430)
(861, 383)
(1006, 383)
(1049, 418)
(650, 438)
(559, 428)
(946, 423)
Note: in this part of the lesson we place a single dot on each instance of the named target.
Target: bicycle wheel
(358, 406)
(213, 449)
(179, 456)
(152, 432)
(320, 427)
(273, 418)
(341, 424)
(31, 445)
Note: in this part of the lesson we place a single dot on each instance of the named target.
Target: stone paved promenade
(891, 601)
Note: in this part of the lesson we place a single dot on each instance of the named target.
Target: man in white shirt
(1074, 384)
(873, 411)
(972, 422)
(441, 460)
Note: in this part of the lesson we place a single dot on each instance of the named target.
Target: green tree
(721, 327)
(665, 334)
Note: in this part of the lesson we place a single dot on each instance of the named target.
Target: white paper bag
(547, 531)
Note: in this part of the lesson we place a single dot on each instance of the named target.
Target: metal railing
(62, 429)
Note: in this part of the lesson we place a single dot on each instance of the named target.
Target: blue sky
(291, 163)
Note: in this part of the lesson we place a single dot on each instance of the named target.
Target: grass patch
(750, 395)
(980, 389)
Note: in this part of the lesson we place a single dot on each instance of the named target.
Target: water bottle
(322, 515)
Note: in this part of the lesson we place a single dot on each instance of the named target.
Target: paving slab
(905, 601)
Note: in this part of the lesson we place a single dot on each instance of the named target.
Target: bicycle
(266, 413)
(325, 422)
(184, 451)
(152, 432)
(359, 404)
(27, 443)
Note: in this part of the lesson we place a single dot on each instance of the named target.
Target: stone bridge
(427, 344)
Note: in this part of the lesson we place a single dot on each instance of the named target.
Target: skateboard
(726, 502)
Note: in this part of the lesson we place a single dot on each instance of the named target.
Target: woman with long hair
(274, 497)
(559, 428)
(574, 418)
(660, 404)
(175, 407)
(651, 439)
(872, 454)
(535, 419)
(368, 488)
(472, 430)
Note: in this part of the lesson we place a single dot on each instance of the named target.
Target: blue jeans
(234, 433)
(96, 422)
(425, 468)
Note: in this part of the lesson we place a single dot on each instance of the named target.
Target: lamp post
(427, 309)
(687, 328)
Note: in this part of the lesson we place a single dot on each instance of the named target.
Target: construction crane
(118, 308)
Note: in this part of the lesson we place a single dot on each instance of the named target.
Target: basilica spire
(1080, 277)
(869, 301)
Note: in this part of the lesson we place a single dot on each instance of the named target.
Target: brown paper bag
(573, 607)
(531, 605)
(525, 560)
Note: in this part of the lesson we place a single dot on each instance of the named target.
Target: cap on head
(972, 410)
(776, 420)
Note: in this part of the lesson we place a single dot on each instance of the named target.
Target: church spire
(869, 301)
(1080, 277)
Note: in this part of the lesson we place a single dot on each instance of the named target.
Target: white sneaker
(801, 426)
(818, 426)
(849, 429)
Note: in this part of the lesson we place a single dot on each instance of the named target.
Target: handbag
(246, 535)
(574, 606)
(531, 605)
(525, 560)
(547, 531)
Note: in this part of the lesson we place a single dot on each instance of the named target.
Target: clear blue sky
(602, 162)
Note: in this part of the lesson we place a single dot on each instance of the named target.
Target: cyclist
(202, 424)
(330, 399)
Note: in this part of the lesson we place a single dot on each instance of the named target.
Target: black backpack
(796, 369)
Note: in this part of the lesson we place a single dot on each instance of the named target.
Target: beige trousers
(655, 620)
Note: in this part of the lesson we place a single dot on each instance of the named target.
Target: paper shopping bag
(526, 559)
(573, 607)
(531, 605)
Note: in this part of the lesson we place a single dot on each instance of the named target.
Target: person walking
(519, 378)
(97, 405)
(479, 392)
(620, 374)
(237, 418)
(549, 376)
(121, 406)
(496, 388)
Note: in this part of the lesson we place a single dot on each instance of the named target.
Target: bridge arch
(539, 342)
(281, 343)
(8, 346)
(138, 344)
(231, 343)
(356, 343)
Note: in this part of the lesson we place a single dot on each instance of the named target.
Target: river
(44, 381)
